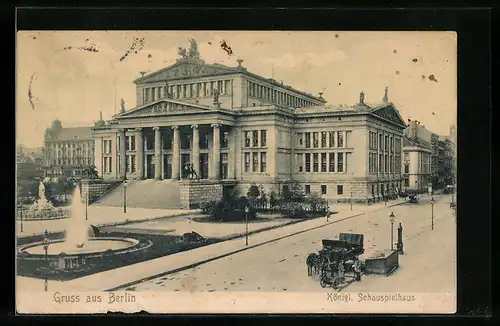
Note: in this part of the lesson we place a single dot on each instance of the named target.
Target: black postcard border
(474, 122)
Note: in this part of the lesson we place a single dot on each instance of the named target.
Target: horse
(313, 264)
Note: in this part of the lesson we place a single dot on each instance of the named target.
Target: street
(428, 265)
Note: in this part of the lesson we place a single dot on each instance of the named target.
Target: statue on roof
(216, 95)
(193, 51)
(362, 98)
(386, 97)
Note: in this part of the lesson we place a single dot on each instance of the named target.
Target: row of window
(340, 189)
(385, 163)
(275, 96)
(254, 160)
(252, 138)
(327, 162)
(387, 143)
(74, 161)
(193, 90)
(329, 139)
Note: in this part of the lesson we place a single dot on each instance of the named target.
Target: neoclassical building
(238, 128)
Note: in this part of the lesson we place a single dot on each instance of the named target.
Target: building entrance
(204, 166)
(150, 167)
(167, 163)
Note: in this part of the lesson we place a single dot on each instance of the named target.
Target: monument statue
(182, 52)
(41, 191)
(362, 98)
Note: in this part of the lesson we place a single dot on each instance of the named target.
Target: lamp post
(247, 210)
(46, 243)
(21, 215)
(125, 196)
(432, 212)
(391, 217)
(86, 205)
(351, 200)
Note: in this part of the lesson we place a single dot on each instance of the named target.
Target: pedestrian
(328, 213)
(357, 270)
(340, 271)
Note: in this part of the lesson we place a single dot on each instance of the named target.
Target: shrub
(206, 206)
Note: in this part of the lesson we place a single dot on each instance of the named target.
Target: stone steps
(164, 194)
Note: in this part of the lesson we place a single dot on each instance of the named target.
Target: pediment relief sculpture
(164, 107)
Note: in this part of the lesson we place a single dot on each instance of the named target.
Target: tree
(253, 192)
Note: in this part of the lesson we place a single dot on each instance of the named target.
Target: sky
(74, 75)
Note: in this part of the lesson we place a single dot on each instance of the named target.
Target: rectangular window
(340, 189)
(340, 162)
(225, 139)
(407, 156)
(315, 140)
(227, 87)
(110, 164)
(380, 141)
(340, 139)
(308, 140)
(299, 163)
(247, 138)
(263, 162)
(300, 139)
(263, 138)
(323, 189)
(127, 163)
(323, 139)
(224, 166)
(332, 162)
(308, 162)
(380, 162)
(219, 86)
(247, 162)
(323, 162)
(132, 165)
(332, 138)
(386, 163)
(316, 162)
(407, 182)
(255, 138)
(386, 143)
(308, 189)
(255, 160)
(407, 168)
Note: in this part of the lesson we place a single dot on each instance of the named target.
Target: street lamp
(86, 204)
(247, 210)
(46, 243)
(351, 200)
(125, 196)
(432, 212)
(392, 229)
(21, 215)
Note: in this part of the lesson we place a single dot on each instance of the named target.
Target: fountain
(42, 204)
(80, 243)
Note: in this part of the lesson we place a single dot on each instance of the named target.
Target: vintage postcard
(236, 172)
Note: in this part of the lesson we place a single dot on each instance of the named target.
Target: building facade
(67, 151)
(237, 128)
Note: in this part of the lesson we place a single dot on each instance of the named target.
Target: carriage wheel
(336, 283)
(324, 281)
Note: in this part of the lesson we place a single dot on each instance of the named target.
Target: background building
(67, 151)
(417, 157)
(237, 128)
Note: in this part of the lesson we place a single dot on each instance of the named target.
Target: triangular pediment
(163, 107)
(389, 113)
(185, 69)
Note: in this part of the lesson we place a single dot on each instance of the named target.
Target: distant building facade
(237, 128)
(417, 158)
(67, 151)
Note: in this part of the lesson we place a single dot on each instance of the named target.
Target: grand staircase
(164, 194)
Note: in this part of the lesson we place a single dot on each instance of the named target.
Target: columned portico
(175, 153)
(123, 161)
(215, 166)
(157, 153)
(196, 149)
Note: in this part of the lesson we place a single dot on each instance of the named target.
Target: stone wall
(193, 193)
(95, 188)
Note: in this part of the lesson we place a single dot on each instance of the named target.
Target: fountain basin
(93, 246)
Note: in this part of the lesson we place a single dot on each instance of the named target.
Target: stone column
(123, 161)
(140, 153)
(215, 166)
(157, 153)
(175, 154)
(195, 151)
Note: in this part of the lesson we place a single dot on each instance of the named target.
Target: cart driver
(341, 270)
(357, 269)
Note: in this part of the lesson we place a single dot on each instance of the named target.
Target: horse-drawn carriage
(336, 258)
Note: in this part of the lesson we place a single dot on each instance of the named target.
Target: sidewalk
(128, 275)
(98, 216)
